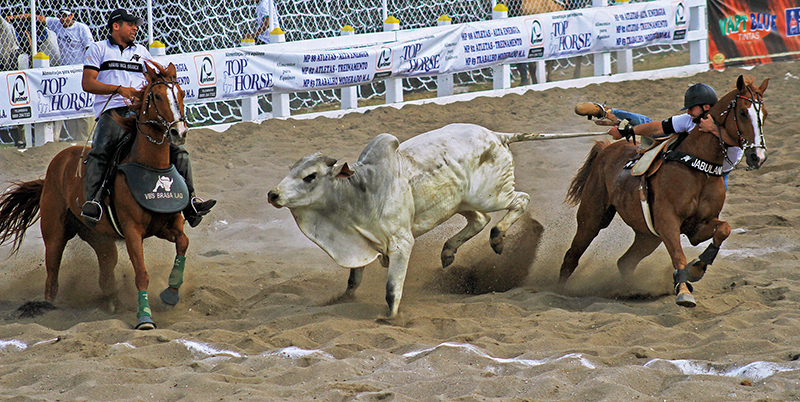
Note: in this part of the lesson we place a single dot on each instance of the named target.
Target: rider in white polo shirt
(113, 71)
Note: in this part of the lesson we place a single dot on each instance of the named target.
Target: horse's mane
(579, 181)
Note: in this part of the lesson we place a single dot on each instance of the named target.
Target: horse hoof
(146, 323)
(685, 300)
(695, 270)
(170, 296)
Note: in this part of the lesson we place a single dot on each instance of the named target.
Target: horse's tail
(19, 209)
(579, 182)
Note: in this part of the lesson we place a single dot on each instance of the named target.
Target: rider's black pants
(108, 136)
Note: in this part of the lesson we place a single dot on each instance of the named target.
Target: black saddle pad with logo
(158, 190)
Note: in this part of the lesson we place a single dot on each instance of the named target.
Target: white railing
(281, 68)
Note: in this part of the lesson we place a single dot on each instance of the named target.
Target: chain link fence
(196, 25)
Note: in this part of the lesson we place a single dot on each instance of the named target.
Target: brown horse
(684, 200)
(58, 198)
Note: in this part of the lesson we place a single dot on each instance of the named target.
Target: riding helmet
(699, 94)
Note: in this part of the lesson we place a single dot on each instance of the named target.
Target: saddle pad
(647, 159)
(157, 190)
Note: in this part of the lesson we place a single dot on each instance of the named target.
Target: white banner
(54, 93)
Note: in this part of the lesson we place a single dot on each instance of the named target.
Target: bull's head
(303, 186)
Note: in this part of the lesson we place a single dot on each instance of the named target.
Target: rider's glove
(626, 130)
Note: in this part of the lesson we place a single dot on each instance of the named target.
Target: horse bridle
(743, 143)
(161, 121)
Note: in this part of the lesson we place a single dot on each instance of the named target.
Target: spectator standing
(265, 12)
(73, 39)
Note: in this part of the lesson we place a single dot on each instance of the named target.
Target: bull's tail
(508, 138)
(579, 182)
(19, 209)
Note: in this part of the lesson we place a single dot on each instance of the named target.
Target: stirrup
(90, 220)
(200, 206)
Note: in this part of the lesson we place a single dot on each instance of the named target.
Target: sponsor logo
(750, 26)
(679, 34)
(564, 42)
(238, 80)
(18, 91)
(384, 61)
(706, 167)
(792, 21)
(206, 70)
(55, 96)
(537, 33)
(164, 182)
(680, 15)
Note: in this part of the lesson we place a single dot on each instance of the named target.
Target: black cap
(122, 14)
(699, 94)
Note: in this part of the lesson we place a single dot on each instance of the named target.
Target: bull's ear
(342, 171)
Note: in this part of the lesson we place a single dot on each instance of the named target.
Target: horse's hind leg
(515, 210)
(643, 245)
(476, 221)
(717, 230)
(592, 217)
(56, 233)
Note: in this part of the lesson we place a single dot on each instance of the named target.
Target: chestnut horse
(58, 198)
(684, 200)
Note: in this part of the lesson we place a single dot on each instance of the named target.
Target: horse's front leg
(670, 234)
(170, 296)
(133, 241)
(399, 252)
(718, 231)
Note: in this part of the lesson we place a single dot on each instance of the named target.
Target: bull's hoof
(496, 240)
(447, 258)
(695, 270)
(170, 296)
(146, 323)
(685, 300)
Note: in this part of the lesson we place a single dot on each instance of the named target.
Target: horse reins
(161, 121)
(745, 145)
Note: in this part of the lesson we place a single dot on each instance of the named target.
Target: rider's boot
(592, 109)
(92, 209)
(197, 207)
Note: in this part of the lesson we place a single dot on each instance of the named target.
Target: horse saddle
(648, 161)
(157, 190)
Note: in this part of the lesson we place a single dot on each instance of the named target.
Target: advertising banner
(55, 93)
(748, 32)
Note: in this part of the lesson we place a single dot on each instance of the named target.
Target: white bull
(396, 192)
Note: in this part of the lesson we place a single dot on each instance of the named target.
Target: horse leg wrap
(711, 252)
(176, 276)
(681, 276)
(144, 305)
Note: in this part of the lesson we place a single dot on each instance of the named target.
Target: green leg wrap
(176, 276)
(144, 305)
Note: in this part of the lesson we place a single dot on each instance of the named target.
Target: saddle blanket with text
(157, 190)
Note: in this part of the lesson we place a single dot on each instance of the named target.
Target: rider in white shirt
(698, 99)
(113, 71)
